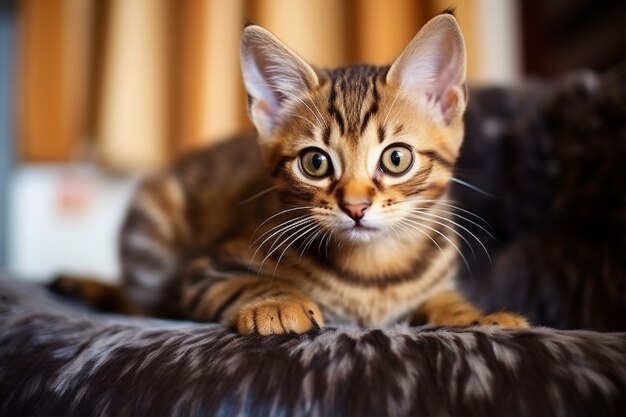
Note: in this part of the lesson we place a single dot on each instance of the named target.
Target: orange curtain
(53, 62)
(143, 81)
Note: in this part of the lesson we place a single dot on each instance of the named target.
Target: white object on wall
(65, 219)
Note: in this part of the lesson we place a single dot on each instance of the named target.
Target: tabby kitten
(338, 210)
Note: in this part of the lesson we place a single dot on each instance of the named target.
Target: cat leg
(449, 308)
(254, 305)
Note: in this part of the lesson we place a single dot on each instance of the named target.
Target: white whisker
(447, 227)
(282, 231)
(311, 239)
(472, 187)
(257, 195)
(448, 204)
(424, 212)
(286, 222)
(303, 223)
(278, 214)
(291, 243)
(330, 236)
(406, 228)
(446, 238)
(461, 217)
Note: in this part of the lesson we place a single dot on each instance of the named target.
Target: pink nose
(356, 211)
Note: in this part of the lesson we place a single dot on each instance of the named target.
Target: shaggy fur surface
(59, 360)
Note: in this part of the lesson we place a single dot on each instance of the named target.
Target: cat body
(337, 210)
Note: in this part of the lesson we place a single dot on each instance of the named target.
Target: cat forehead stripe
(354, 96)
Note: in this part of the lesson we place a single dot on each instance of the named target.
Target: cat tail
(105, 297)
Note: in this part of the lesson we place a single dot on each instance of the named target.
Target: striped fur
(243, 235)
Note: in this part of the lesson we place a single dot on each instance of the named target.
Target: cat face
(359, 148)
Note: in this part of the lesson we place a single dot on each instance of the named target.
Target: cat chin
(360, 235)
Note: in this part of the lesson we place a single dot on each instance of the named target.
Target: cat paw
(506, 320)
(470, 318)
(279, 315)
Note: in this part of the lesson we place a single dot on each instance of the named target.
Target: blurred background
(95, 93)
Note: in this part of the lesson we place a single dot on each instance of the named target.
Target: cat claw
(278, 316)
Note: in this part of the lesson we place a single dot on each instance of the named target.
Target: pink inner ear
(264, 107)
(451, 103)
(263, 115)
(265, 110)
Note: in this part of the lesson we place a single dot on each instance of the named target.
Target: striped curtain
(133, 84)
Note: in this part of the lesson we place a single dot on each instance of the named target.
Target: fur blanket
(58, 359)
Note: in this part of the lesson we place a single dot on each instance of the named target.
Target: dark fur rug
(550, 164)
(56, 359)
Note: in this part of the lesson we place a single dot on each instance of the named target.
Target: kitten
(338, 210)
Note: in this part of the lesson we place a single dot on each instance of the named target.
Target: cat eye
(315, 163)
(396, 159)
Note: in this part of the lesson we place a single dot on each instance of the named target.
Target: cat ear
(433, 65)
(272, 74)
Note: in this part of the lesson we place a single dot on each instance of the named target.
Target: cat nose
(355, 211)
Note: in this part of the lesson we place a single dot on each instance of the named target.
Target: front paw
(472, 318)
(506, 320)
(277, 315)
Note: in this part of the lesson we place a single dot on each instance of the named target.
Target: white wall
(65, 219)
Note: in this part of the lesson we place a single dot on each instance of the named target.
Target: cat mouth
(361, 226)
(360, 233)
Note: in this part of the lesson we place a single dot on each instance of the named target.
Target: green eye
(315, 163)
(396, 159)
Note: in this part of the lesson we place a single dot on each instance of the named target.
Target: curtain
(132, 85)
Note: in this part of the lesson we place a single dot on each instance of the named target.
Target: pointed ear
(433, 66)
(273, 74)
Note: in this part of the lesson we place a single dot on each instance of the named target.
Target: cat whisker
(321, 242)
(278, 214)
(319, 246)
(462, 217)
(311, 229)
(340, 244)
(280, 231)
(390, 227)
(286, 222)
(424, 212)
(407, 229)
(310, 240)
(330, 236)
(414, 216)
(275, 246)
(295, 239)
(257, 195)
(447, 203)
(472, 187)
(303, 223)
(416, 223)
